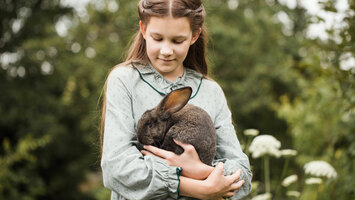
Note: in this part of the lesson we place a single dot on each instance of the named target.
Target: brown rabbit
(171, 119)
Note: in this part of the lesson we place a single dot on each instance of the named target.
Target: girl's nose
(166, 50)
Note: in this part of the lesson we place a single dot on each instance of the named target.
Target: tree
(41, 135)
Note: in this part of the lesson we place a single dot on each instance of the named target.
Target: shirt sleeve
(228, 148)
(125, 170)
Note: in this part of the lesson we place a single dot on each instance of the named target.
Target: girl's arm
(125, 171)
(228, 148)
(189, 160)
(199, 180)
(216, 186)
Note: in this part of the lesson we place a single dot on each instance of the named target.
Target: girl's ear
(195, 37)
(142, 28)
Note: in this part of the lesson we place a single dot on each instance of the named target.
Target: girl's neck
(173, 77)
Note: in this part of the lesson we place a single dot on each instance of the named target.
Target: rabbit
(172, 119)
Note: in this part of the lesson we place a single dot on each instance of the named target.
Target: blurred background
(287, 68)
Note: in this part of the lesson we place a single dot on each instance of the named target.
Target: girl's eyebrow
(176, 37)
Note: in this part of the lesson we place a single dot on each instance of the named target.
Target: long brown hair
(196, 56)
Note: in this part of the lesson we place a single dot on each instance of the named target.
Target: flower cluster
(312, 181)
(320, 168)
(289, 180)
(265, 196)
(265, 145)
(251, 132)
(293, 194)
(288, 152)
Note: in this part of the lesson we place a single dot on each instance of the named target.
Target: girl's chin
(165, 66)
(166, 62)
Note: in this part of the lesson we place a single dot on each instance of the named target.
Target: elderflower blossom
(265, 196)
(265, 145)
(251, 132)
(254, 185)
(311, 181)
(320, 168)
(289, 180)
(288, 152)
(293, 194)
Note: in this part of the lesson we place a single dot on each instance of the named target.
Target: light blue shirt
(130, 92)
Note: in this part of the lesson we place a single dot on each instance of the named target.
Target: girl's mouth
(166, 60)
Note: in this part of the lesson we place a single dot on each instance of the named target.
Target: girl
(168, 53)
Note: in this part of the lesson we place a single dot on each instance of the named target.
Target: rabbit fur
(172, 119)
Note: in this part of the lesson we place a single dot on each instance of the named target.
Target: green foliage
(275, 79)
(13, 175)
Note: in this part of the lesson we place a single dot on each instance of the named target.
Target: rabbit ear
(176, 100)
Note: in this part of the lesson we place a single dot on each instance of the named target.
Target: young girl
(168, 53)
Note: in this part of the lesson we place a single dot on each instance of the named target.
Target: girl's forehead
(169, 25)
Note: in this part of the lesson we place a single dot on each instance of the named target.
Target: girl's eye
(178, 42)
(157, 39)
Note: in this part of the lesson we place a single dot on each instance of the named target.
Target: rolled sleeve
(228, 148)
(125, 171)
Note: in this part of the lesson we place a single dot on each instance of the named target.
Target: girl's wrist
(200, 172)
(205, 171)
(194, 188)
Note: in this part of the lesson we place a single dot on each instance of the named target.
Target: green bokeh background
(276, 80)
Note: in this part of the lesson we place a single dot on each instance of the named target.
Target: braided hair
(196, 56)
(193, 10)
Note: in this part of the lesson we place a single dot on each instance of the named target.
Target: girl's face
(168, 40)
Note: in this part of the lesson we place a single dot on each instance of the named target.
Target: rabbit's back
(192, 125)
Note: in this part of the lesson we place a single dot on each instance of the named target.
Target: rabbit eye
(150, 125)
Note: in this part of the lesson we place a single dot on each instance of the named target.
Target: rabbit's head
(154, 123)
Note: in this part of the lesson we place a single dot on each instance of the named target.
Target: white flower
(289, 180)
(293, 194)
(255, 185)
(265, 196)
(320, 168)
(265, 145)
(288, 152)
(310, 181)
(251, 132)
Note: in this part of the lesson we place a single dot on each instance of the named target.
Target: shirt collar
(152, 77)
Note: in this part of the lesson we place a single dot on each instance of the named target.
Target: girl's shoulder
(122, 75)
(213, 85)
(207, 83)
(122, 70)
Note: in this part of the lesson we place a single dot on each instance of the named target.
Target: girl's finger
(237, 185)
(234, 177)
(229, 194)
(144, 152)
(185, 146)
(218, 170)
(156, 151)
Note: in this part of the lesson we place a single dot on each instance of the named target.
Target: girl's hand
(189, 161)
(216, 186)
(219, 186)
